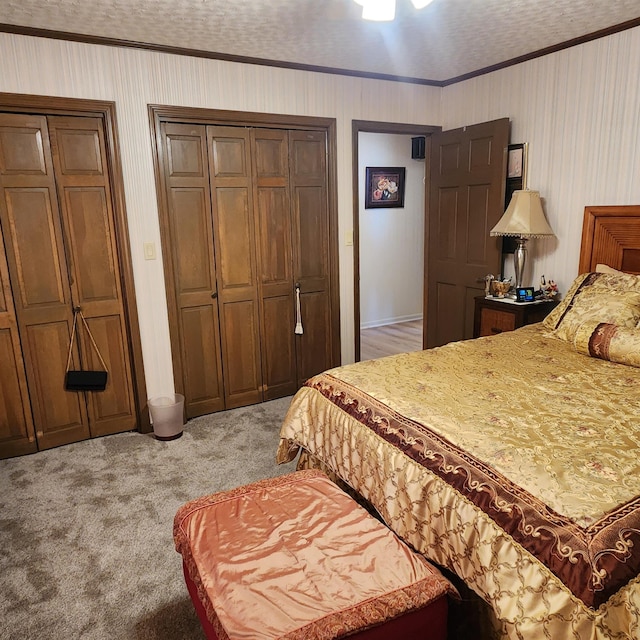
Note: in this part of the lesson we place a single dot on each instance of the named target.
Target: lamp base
(519, 259)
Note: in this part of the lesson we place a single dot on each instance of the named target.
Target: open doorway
(389, 243)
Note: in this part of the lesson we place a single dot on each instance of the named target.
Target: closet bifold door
(17, 435)
(275, 260)
(234, 240)
(190, 254)
(84, 194)
(35, 253)
(309, 193)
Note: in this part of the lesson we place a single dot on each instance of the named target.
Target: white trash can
(167, 415)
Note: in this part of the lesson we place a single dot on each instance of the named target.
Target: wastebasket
(167, 415)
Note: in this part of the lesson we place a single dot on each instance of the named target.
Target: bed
(513, 460)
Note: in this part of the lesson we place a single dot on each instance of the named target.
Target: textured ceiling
(447, 39)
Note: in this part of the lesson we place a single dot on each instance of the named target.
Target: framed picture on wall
(384, 187)
(516, 161)
(516, 174)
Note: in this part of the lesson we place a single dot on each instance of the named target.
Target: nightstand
(495, 315)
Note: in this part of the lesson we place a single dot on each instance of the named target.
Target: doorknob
(214, 295)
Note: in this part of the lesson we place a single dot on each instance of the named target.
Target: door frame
(106, 111)
(159, 114)
(370, 126)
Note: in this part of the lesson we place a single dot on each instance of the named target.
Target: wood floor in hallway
(390, 339)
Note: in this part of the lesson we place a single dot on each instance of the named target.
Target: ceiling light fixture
(385, 10)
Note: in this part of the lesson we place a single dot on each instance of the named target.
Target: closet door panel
(314, 358)
(202, 373)
(279, 359)
(36, 257)
(89, 236)
(234, 237)
(310, 207)
(242, 374)
(17, 435)
(194, 252)
(36, 260)
(274, 219)
(234, 233)
(192, 262)
(62, 418)
(313, 233)
(79, 157)
(16, 429)
(114, 403)
(275, 261)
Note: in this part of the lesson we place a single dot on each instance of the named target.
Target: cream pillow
(605, 268)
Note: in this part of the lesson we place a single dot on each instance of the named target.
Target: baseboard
(372, 324)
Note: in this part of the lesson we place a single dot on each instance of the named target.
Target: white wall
(579, 110)
(135, 78)
(391, 240)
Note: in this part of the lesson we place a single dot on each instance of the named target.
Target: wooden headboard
(611, 236)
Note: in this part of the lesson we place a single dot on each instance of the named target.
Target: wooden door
(467, 182)
(17, 435)
(37, 263)
(233, 254)
(234, 240)
(58, 230)
(270, 155)
(190, 257)
(309, 194)
(84, 194)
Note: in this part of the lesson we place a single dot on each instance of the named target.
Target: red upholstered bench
(295, 558)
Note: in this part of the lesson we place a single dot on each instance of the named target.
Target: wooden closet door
(309, 192)
(17, 435)
(191, 256)
(234, 238)
(37, 265)
(270, 153)
(84, 194)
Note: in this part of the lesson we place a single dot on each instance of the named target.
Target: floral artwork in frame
(384, 187)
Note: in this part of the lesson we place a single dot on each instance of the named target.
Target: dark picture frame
(516, 179)
(516, 161)
(384, 187)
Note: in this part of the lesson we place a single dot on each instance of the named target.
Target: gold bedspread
(512, 460)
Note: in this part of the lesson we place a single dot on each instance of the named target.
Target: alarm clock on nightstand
(524, 294)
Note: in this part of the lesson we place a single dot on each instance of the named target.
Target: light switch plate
(149, 251)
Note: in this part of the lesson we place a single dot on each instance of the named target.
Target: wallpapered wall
(135, 78)
(576, 108)
(579, 111)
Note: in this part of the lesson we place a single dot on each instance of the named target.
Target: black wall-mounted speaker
(417, 148)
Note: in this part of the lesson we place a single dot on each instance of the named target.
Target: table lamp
(523, 219)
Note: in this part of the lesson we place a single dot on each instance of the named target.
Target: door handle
(214, 295)
(298, 330)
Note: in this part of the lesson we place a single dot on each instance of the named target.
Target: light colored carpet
(86, 544)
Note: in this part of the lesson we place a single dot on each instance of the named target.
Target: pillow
(621, 308)
(600, 298)
(609, 342)
(605, 268)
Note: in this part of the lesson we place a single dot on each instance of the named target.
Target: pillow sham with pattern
(597, 297)
(609, 342)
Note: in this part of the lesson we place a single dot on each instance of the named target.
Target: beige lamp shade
(524, 217)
